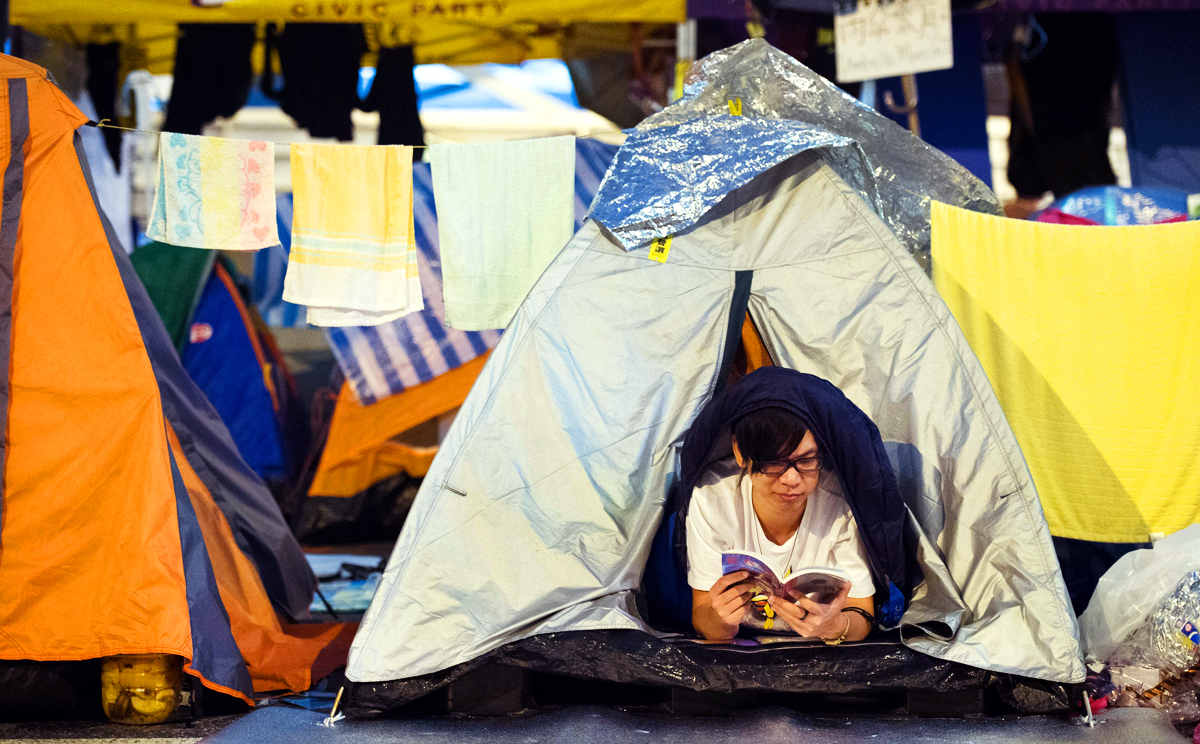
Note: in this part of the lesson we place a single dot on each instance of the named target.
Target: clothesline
(103, 124)
(506, 209)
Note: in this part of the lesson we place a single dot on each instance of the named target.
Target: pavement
(596, 725)
(599, 725)
(91, 732)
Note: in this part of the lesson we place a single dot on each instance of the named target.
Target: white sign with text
(901, 37)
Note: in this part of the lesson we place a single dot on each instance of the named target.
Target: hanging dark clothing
(1060, 121)
(212, 74)
(320, 64)
(103, 65)
(394, 95)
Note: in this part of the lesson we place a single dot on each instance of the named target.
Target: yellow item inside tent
(363, 446)
(140, 689)
(1091, 338)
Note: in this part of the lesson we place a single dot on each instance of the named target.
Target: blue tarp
(1114, 205)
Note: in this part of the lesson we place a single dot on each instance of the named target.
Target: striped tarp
(383, 360)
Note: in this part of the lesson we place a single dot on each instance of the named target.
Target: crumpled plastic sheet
(660, 179)
(1159, 643)
(633, 657)
(710, 157)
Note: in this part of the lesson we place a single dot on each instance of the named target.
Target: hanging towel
(214, 193)
(353, 258)
(505, 210)
(1090, 337)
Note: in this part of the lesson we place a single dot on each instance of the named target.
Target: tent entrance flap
(742, 280)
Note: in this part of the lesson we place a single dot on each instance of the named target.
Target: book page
(819, 585)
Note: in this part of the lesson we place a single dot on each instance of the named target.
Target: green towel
(505, 210)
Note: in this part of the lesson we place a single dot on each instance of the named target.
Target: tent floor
(762, 725)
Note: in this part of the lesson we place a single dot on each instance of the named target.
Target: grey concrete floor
(63, 732)
(761, 726)
(596, 725)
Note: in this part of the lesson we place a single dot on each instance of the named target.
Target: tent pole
(909, 82)
(685, 54)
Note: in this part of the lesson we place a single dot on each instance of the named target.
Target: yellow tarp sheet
(1091, 339)
(417, 12)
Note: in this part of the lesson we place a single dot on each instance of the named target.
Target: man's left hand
(811, 619)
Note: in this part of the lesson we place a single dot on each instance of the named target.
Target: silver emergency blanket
(661, 174)
(538, 512)
(1161, 643)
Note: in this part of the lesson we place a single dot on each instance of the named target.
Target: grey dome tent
(536, 519)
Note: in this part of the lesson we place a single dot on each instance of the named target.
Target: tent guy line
(103, 124)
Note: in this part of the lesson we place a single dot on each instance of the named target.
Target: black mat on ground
(633, 657)
(763, 726)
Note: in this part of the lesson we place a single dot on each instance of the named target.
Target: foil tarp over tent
(748, 108)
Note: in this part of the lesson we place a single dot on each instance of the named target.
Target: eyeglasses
(776, 468)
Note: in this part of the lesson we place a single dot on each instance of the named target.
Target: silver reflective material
(655, 187)
(1160, 644)
(538, 512)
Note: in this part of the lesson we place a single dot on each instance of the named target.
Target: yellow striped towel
(353, 259)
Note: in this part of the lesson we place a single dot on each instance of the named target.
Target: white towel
(505, 210)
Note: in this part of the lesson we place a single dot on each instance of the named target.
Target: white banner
(902, 37)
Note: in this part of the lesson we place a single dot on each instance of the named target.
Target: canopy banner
(478, 12)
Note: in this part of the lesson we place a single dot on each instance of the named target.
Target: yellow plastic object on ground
(1091, 338)
(140, 689)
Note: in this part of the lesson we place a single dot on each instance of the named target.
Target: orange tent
(121, 530)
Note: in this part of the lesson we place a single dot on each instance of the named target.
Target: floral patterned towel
(214, 193)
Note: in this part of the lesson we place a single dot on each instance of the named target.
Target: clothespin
(334, 716)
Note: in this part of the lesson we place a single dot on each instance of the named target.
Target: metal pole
(685, 54)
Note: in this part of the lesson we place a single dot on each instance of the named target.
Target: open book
(819, 583)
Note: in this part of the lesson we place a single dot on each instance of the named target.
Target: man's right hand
(730, 599)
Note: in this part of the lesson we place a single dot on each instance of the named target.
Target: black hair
(768, 434)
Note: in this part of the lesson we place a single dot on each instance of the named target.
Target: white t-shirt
(721, 518)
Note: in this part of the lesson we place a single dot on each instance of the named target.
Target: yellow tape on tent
(1091, 339)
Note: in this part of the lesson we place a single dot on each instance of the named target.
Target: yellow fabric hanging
(1091, 339)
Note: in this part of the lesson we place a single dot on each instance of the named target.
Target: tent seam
(971, 377)
(444, 485)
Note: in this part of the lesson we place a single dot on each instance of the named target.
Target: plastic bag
(1168, 641)
(1134, 587)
